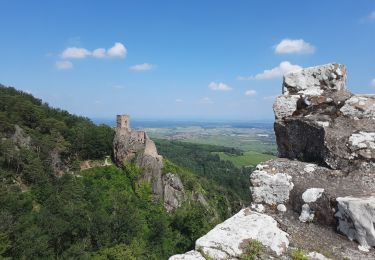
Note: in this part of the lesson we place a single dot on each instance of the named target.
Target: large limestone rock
(328, 136)
(228, 239)
(319, 120)
(357, 219)
(270, 188)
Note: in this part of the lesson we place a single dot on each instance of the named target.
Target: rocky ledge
(318, 198)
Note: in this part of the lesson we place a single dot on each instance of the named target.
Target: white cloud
(117, 51)
(369, 18)
(250, 93)
(373, 82)
(285, 67)
(298, 46)
(179, 100)
(99, 53)
(219, 86)
(206, 100)
(142, 67)
(75, 53)
(63, 65)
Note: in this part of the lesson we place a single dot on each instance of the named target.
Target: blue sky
(177, 59)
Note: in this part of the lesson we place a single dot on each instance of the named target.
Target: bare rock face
(319, 120)
(174, 193)
(327, 138)
(357, 219)
(270, 188)
(136, 147)
(228, 239)
(20, 138)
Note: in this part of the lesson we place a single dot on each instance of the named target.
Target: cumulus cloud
(285, 67)
(206, 100)
(369, 18)
(99, 53)
(296, 46)
(373, 82)
(117, 51)
(63, 65)
(250, 93)
(75, 53)
(219, 86)
(142, 67)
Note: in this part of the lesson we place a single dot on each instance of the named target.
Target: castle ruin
(129, 143)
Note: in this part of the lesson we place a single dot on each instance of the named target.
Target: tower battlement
(123, 121)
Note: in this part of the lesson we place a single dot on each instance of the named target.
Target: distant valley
(256, 140)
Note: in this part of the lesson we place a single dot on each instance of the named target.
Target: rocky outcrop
(174, 193)
(326, 136)
(323, 185)
(229, 239)
(319, 120)
(131, 146)
(19, 138)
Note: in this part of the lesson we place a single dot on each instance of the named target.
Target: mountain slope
(52, 208)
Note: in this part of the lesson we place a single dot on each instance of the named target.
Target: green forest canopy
(103, 212)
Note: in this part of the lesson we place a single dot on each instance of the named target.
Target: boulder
(270, 187)
(229, 239)
(316, 81)
(309, 196)
(357, 219)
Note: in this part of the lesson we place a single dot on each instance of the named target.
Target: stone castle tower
(136, 147)
(123, 121)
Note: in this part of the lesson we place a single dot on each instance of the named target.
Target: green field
(249, 158)
(257, 144)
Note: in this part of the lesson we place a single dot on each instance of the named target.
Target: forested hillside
(51, 208)
(203, 160)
